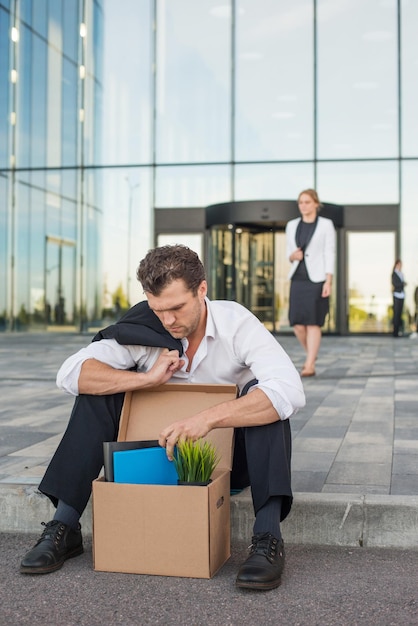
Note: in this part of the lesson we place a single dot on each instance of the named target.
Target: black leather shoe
(264, 567)
(57, 543)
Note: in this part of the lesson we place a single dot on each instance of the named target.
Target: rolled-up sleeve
(272, 367)
(107, 351)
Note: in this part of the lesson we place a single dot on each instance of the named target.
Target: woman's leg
(300, 333)
(313, 342)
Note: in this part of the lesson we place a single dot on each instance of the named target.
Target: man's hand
(165, 366)
(98, 378)
(191, 428)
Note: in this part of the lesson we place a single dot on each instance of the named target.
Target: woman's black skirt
(306, 306)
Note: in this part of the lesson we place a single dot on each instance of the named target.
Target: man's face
(180, 312)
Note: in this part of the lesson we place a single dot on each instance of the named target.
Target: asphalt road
(322, 586)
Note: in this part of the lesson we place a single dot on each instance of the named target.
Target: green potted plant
(195, 461)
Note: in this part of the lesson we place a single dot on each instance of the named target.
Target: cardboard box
(165, 530)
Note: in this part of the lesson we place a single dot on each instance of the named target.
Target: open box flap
(147, 412)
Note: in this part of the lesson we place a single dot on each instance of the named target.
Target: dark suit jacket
(397, 283)
(140, 326)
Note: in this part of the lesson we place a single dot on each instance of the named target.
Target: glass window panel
(5, 89)
(25, 11)
(127, 82)
(71, 32)
(409, 230)
(22, 252)
(38, 271)
(69, 113)
(191, 186)
(92, 92)
(357, 79)
(128, 230)
(55, 24)
(4, 249)
(92, 222)
(54, 108)
(38, 104)
(272, 182)
(274, 80)
(221, 270)
(370, 182)
(369, 285)
(23, 97)
(39, 18)
(409, 72)
(193, 240)
(91, 123)
(193, 81)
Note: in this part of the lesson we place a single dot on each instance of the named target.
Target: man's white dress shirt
(236, 348)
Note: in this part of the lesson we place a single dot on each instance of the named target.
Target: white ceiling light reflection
(224, 11)
(365, 85)
(287, 97)
(378, 36)
(382, 126)
(251, 56)
(282, 115)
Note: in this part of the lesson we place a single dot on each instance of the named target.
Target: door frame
(275, 214)
(372, 218)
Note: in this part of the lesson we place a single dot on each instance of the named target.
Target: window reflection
(274, 80)
(279, 181)
(193, 81)
(369, 182)
(409, 231)
(5, 89)
(357, 79)
(192, 186)
(127, 98)
(370, 260)
(409, 86)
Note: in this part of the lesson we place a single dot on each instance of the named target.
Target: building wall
(177, 104)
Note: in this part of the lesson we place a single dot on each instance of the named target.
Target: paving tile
(360, 473)
(404, 485)
(312, 461)
(405, 464)
(309, 482)
(311, 444)
(356, 489)
(362, 405)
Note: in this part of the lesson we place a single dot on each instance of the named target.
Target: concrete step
(315, 518)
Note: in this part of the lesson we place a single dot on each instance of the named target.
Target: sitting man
(178, 335)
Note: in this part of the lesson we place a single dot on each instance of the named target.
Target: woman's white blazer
(320, 251)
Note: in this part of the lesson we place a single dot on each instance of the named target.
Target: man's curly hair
(167, 263)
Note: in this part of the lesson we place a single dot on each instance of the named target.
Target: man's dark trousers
(261, 458)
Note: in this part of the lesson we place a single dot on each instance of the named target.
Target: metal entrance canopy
(267, 213)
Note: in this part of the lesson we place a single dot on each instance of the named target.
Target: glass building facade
(113, 110)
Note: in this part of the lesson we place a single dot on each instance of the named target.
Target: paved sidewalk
(355, 444)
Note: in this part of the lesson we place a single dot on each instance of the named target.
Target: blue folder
(146, 466)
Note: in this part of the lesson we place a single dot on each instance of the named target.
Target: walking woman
(310, 246)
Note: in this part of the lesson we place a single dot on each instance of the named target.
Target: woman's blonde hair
(313, 194)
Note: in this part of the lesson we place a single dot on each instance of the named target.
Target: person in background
(178, 335)
(398, 284)
(310, 246)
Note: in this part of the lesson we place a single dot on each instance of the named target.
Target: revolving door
(246, 265)
(247, 258)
